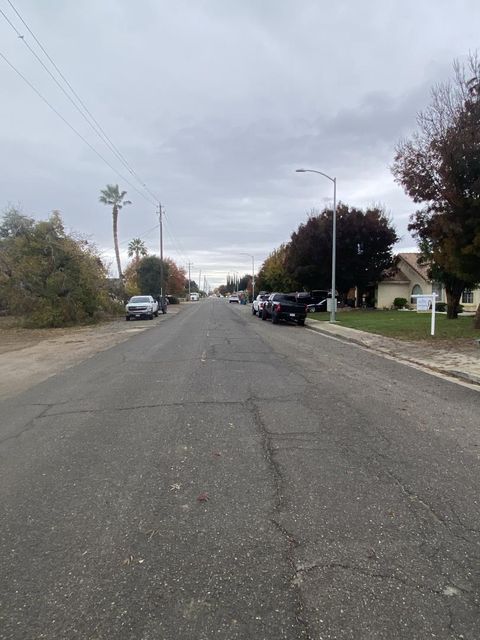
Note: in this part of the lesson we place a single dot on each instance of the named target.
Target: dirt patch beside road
(29, 356)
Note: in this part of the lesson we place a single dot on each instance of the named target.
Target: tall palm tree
(137, 248)
(114, 198)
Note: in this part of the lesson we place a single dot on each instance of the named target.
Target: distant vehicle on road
(258, 303)
(194, 297)
(284, 306)
(141, 307)
(234, 298)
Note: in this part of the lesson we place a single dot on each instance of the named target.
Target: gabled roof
(412, 260)
(395, 276)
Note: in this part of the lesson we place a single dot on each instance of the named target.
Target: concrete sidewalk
(458, 361)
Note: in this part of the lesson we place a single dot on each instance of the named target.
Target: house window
(416, 291)
(467, 296)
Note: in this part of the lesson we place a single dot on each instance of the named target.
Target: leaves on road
(203, 497)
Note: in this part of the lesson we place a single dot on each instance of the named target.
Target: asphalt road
(218, 477)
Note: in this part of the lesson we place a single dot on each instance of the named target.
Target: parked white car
(258, 303)
(141, 307)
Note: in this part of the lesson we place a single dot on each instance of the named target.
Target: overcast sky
(215, 103)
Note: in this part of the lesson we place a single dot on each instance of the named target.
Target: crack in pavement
(47, 407)
(28, 426)
(279, 485)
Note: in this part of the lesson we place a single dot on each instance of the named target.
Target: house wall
(415, 280)
(388, 291)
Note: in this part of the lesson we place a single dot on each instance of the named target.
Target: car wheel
(127, 318)
(156, 314)
(274, 318)
(301, 322)
(264, 315)
(150, 317)
(164, 311)
(253, 311)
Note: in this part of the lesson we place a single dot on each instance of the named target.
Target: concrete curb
(356, 336)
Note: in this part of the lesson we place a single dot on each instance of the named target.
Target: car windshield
(140, 299)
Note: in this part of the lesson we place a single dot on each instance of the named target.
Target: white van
(194, 297)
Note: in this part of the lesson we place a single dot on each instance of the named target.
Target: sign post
(426, 302)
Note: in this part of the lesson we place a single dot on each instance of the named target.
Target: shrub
(49, 278)
(400, 303)
(441, 307)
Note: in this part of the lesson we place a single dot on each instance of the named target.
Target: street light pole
(160, 219)
(334, 238)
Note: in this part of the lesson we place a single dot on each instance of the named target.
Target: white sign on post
(329, 304)
(425, 303)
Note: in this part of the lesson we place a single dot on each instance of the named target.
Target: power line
(177, 242)
(19, 73)
(96, 127)
(144, 235)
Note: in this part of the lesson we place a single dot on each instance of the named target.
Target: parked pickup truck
(258, 303)
(283, 306)
(141, 306)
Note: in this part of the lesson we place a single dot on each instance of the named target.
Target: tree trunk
(454, 293)
(115, 241)
(477, 318)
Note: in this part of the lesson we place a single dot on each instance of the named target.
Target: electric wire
(176, 242)
(97, 128)
(143, 235)
(70, 126)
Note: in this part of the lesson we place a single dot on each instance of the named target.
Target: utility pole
(189, 278)
(160, 219)
(199, 280)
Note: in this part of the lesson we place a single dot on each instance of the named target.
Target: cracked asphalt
(221, 477)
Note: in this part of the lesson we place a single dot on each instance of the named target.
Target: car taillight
(278, 308)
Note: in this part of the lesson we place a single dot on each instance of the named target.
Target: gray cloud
(215, 103)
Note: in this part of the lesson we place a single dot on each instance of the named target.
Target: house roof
(396, 275)
(412, 260)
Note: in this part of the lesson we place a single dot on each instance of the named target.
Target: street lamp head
(300, 170)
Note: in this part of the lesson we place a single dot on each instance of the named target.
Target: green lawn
(406, 325)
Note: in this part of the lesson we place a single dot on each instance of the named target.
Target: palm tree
(112, 197)
(137, 248)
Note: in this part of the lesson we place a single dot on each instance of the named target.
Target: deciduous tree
(47, 276)
(273, 274)
(439, 167)
(364, 243)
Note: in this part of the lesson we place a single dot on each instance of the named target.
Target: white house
(409, 278)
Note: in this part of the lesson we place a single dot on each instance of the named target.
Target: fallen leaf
(217, 454)
(175, 487)
(203, 497)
